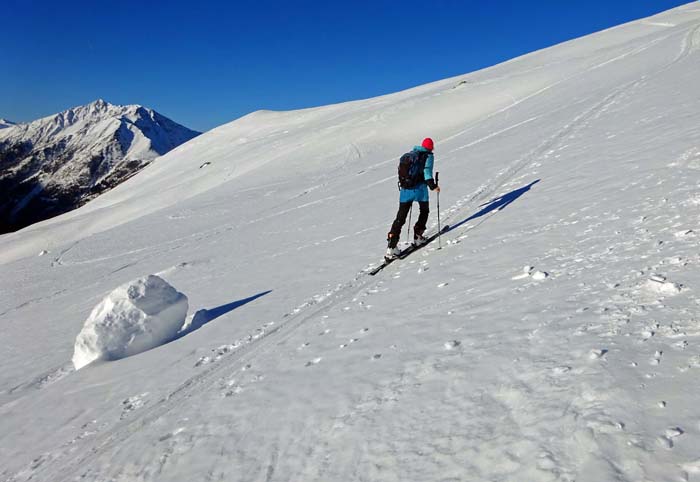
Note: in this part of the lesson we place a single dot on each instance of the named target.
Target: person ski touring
(415, 177)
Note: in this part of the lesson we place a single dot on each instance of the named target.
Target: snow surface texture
(442, 367)
(57, 163)
(137, 316)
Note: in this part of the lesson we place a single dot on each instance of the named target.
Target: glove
(431, 184)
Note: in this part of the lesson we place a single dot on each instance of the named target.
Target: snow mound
(135, 317)
(659, 284)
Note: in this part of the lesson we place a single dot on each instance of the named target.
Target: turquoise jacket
(419, 193)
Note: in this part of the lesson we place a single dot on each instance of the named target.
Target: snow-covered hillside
(57, 163)
(555, 336)
(4, 123)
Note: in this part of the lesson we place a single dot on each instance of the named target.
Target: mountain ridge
(59, 162)
(4, 123)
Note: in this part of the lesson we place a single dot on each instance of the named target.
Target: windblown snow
(554, 337)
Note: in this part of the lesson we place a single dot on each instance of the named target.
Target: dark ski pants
(418, 228)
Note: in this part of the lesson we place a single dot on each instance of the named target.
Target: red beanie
(428, 143)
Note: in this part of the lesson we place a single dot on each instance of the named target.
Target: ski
(406, 252)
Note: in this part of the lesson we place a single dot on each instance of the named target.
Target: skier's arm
(428, 173)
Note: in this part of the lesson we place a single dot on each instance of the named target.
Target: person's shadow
(497, 204)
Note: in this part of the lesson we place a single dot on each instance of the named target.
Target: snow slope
(581, 161)
(4, 123)
(57, 163)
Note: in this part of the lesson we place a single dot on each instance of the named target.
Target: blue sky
(206, 63)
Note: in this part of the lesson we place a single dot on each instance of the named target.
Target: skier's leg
(393, 236)
(419, 228)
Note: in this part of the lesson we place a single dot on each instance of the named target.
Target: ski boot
(419, 240)
(392, 253)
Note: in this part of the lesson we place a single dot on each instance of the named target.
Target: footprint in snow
(657, 358)
(685, 233)
(452, 344)
(597, 354)
(235, 389)
(133, 403)
(681, 345)
(376, 356)
(442, 285)
(205, 360)
(315, 361)
(364, 330)
(666, 440)
(352, 340)
(531, 272)
(172, 434)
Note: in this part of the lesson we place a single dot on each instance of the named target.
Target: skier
(415, 177)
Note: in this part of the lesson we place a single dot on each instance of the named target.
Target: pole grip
(437, 178)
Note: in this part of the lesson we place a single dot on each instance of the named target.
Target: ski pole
(437, 181)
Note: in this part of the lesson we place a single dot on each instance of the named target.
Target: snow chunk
(658, 284)
(531, 272)
(685, 233)
(596, 354)
(135, 317)
(452, 344)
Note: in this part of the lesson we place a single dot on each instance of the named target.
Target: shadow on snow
(496, 204)
(204, 316)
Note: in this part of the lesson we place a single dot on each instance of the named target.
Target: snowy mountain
(4, 123)
(554, 337)
(60, 162)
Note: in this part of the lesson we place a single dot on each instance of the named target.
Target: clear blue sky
(205, 63)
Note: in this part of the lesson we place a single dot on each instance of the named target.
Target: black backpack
(411, 166)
